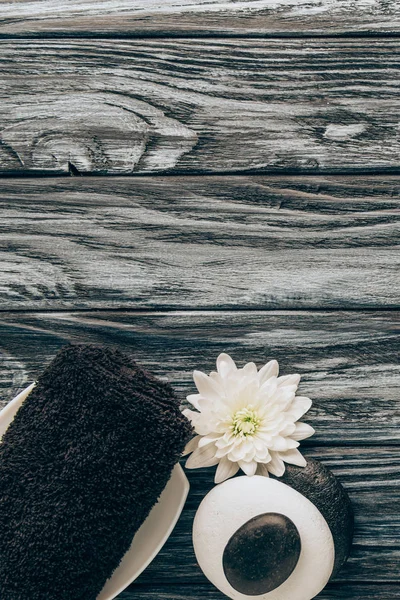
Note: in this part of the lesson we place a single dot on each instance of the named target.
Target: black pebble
(83, 462)
(262, 554)
(321, 487)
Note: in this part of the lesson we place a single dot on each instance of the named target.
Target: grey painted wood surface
(349, 361)
(207, 592)
(198, 94)
(198, 16)
(203, 105)
(200, 242)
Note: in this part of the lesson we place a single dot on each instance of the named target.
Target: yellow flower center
(245, 422)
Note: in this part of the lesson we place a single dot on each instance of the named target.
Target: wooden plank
(348, 360)
(203, 105)
(349, 366)
(334, 352)
(356, 591)
(254, 17)
(200, 242)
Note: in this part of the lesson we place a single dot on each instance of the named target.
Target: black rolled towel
(82, 464)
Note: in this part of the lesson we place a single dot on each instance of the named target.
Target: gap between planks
(148, 35)
(274, 174)
(186, 310)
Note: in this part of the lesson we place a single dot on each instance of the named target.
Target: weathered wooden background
(256, 212)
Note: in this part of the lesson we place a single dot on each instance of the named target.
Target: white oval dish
(153, 533)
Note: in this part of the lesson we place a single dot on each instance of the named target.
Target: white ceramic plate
(151, 536)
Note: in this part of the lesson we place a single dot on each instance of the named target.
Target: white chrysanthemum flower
(246, 419)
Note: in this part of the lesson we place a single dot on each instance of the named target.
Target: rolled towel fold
(85, 459)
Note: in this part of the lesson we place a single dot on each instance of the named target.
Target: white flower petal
(302, 431)
(271, 369)
(208, 388)
(237, 453)
(262, 470)
(234, 386)
(250, 454)
(248, 467)
(217, 377)
(292, 443)
(263, 455)
(288, 429)
(249, 369)
(272, 427)
(192, 445)
(293, 457)
(266, 438)
(207, 404)
(194, 400)
(226, 439)
(299, 406)
(222, 452)
(221, 426)
(225, 470)
(225, 435)
(202, 457)
(247, 445)
(258, 443)
(225, 364)
(276, 466)
(247, 393)
(223, 443)
(271, 414)
(289, 380)
(202, 423)
(284, 392)
(190, 414)
(279, 444)
(283, 398)
(268, 388)
(207, 439)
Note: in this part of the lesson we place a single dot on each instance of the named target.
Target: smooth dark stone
(262, 554)
(320, 486)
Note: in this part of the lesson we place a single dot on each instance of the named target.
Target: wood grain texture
(349, 362)
(185, 105)
(349, 366)
(226, 17)
(208, 592)
(200, 242)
